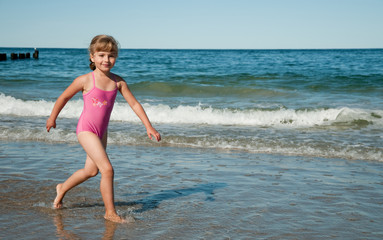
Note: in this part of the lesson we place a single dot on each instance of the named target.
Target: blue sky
(194, 24)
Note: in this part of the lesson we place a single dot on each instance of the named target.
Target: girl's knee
(90, 172)
(107, 172)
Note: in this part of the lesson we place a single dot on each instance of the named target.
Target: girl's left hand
(153, 132)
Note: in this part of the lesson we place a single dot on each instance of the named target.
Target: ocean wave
(201, 89)
(201, 115)
(254, 144)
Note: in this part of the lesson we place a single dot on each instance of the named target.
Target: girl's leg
(90, 170)
(95, 148)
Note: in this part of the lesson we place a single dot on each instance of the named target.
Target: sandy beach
(177, 193)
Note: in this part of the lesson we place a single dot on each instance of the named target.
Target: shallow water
(188, 193)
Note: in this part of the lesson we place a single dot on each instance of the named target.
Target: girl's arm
(138, 109)
(76, 86)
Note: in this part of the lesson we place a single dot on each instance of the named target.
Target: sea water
(257, 144)
(318, 103)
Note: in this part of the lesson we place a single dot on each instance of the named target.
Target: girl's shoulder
(84, 78)
(85, 81)
(118, 78)
(120, 81)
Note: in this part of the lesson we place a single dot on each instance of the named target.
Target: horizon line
(362, 48)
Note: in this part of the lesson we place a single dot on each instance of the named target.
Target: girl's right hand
(50, 124)
(153, 132)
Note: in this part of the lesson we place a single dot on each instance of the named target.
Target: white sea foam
(204, 115)
(270, 144)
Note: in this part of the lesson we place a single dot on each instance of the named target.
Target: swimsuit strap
(94, 80)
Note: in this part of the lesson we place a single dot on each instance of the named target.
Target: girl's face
(104, 61)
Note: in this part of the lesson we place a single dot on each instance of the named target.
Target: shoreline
(177, 192)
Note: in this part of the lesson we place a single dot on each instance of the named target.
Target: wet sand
(186, 193)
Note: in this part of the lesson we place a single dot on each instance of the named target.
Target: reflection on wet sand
(61, 232)
(110, 228)
(149, 202)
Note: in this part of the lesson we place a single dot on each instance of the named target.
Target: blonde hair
(102, 43)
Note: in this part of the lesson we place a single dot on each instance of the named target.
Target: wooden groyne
(15, 56)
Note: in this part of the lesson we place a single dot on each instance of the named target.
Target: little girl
(99, 89)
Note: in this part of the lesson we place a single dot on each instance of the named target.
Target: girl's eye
(106, 55)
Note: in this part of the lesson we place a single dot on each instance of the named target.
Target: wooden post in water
(3, 56)
(36, 54)
(14, 56)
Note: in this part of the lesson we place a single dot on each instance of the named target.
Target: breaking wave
(199, 114)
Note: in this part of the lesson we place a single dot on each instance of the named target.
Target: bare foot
(115, 218)
(57, 203)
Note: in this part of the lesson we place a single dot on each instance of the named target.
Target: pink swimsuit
(98, 105)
